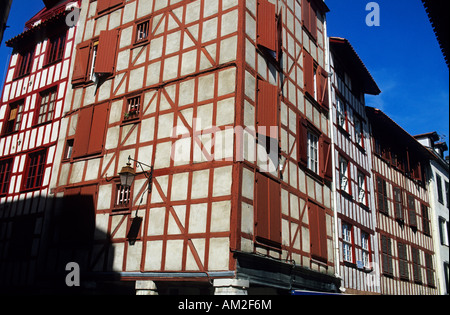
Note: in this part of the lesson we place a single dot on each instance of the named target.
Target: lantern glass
(127, 175)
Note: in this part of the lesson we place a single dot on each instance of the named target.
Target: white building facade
(439, 202)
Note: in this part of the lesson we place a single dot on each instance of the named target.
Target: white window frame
(358, 131)
(347, 242)
(443, 224)
(365, 240)
(313, 152)
(362, 188)
(344, 182)
(92, 75)
(340, 113)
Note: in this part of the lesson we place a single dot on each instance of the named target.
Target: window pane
(313, 154)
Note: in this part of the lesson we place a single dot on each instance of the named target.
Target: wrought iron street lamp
(128, 174)
(127, 177)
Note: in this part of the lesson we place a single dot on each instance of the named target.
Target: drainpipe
(337, 272)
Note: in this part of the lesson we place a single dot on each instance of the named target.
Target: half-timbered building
(31, 109)
(400, 178)
(222, 109)
(356, 241)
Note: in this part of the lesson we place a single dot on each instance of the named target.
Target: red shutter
(302, 143)
(267, 107)
(309, 16)
(114, 3)
(106, 54)
(323, 88)
(313, 230)
(313, 22)
(268, 210)
(262, 207)
(98, 128)
(267, 25)
(81, 63)
(306, 7)
(417, 171)
(103, 5)
(275, 211)
(326, 165)
(308, 73)
(318, 232)
(322, 233)
(81, 144)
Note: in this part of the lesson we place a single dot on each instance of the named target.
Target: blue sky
(21, 12)
(402, 55)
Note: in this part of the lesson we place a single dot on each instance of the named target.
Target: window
(69, 149)
(403, 261)
(416, 171)
(447, 277)
(382, 196)
(412, 211)
(133, 108)
(430, 269)
(268, 210)
(5, 175)
(56, 48)
(344, 182)
(315, 80)
(35, 170)
(24, 63)
(142, 31)
(89, 136)
(398, 204)
(443, 225)
(347, 242)
(96, 58)
(439, 189)
(123, 196)
(14, 117)
(359, 133)
(397, 160)
(341, 114)
(416, 265)
(425, 220)
(386, 250)
(318, 232)
(315, 83)
(378, 147)
(365, 245)
(447, 194)
(362, 188)
(313, 152)
(47, 106)
(92, 76)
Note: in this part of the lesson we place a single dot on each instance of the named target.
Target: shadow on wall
(39, 237)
